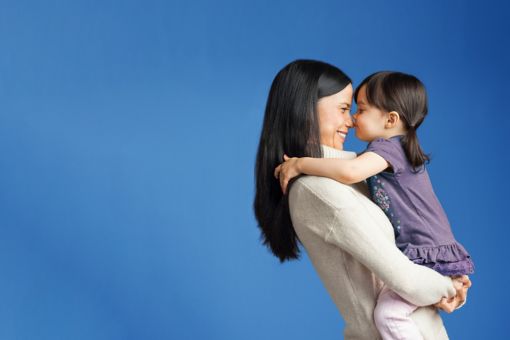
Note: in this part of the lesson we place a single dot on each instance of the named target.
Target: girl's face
(335, 118)
(369, 121)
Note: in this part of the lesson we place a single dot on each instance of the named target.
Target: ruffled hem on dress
(449, 259)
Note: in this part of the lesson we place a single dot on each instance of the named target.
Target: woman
(347, 237)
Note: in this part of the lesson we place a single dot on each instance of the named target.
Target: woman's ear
(392, 120)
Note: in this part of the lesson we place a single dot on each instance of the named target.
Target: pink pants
(392, 317)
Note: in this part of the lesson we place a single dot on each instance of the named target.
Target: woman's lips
(342, 134)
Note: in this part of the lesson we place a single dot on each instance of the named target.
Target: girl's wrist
(298, 164)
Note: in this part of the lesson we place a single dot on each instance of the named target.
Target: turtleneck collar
(329, 152)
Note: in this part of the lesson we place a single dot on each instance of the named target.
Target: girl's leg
(392, 317)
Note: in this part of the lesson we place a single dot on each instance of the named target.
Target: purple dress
(422, 230)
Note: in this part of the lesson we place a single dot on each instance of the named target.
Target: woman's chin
(339, 145)
(335, 142)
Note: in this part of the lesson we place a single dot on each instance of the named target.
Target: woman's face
(334, 118)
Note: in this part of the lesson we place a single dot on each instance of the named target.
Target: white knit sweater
(351, 245)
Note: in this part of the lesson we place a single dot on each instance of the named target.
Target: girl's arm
(347, 171)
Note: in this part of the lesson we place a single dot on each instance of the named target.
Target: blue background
(128, 132)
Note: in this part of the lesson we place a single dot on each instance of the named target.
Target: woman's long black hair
(290, 127)
(405, 94)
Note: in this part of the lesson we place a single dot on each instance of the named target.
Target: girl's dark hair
(290, 126)
(405, 94)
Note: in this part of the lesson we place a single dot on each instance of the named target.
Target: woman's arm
(347, 171)
(354, 224)
(355, 231)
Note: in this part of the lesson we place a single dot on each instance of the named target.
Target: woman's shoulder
(318, 203)
(307, 189)
(315, 202)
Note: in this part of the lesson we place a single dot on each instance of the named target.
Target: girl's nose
(353, 118)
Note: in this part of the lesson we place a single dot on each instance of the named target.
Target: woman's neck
(329, 152)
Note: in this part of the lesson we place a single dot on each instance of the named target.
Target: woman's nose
(349, 121)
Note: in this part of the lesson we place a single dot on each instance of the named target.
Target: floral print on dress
(381, 198)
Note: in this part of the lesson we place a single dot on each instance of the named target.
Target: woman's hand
(461, 284)
(287, 171)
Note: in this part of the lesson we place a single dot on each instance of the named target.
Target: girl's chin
(360, 137)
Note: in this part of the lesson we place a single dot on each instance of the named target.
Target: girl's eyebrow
(346, 104)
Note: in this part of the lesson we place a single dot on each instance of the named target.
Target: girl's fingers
(277, 172)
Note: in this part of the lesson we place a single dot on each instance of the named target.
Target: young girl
(391, 107)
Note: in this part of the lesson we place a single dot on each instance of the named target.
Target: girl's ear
(392, 120)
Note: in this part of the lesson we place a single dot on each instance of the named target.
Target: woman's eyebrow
(346, 104)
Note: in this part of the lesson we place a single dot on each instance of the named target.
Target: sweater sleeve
(356, 229)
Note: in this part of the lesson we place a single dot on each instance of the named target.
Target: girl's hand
(461, 284)
(287, 171)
